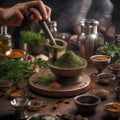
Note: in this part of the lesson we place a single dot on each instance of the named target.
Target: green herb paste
(59, 47)
(69, 60)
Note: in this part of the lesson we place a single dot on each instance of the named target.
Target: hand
(34, 10)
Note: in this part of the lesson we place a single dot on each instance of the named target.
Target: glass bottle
(82, 33)
(99, 39)
(5, 42)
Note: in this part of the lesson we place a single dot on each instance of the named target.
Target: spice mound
(103, 94)
(69, 60)
(113, 107)
(100, 58)
(16, 54)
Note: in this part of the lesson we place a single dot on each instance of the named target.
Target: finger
(35, 13)
(48, 13)
(39, 5)
(18, 18)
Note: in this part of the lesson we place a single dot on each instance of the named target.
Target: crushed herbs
(59, 47)
(69, 60)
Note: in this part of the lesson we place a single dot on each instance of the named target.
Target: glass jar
(5, 42)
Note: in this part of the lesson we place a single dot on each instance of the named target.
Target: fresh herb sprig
(30, 37)
(111, 50)
(16, 70)
(41, 63)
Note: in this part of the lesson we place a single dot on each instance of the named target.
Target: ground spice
(114, 107)
(100, 58)
(69, 60)
(15, 54)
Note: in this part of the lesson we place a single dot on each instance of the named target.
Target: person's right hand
(35, 11)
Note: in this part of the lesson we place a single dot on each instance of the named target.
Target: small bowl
(117, 91)
(102, 93)
(114, 68)
(16, 54)
(15, 93)
(19, 102)
(113, 109)
(100, 62)
(43, 117)
(5, 85)
(87, 103)
(34, 105)
(67, 72)
(105, 78)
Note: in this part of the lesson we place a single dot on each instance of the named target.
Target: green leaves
(111, 50)
(17, 70)
(30, 37)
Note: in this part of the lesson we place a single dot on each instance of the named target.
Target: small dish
(16, 53)
(105, 78)
(117, 90)
(87, 103)
(114, 68)
(34, 105)
(5, 85)
(102, 93)
(15, 93)
(113, 109)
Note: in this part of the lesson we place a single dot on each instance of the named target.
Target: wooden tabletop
(67, 105)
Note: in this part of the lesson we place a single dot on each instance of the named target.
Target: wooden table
(67, 105)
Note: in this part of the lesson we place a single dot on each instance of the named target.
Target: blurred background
(68, 13)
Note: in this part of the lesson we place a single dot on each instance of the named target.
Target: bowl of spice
(16, 53)
(113, 109)
(100, 62)
(102, 93)
(68, 65)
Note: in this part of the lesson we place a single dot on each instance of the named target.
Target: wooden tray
(69, 87)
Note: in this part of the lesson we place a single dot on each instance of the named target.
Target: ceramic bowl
(100, 62)
(69, 72)
(113, 109)
(114, 68)
(5, 85)
(34, 105)
(87, 103)
(105, 78)
(102, 93)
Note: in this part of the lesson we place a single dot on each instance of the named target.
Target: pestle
(47, 32)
